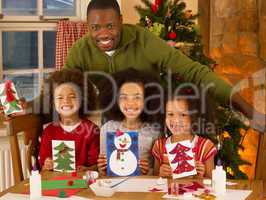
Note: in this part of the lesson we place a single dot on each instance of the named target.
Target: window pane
(20, 50)
(59, 7)
(26, 85)
(49, 38)
(19, 7)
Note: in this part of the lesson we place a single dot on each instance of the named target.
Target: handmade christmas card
(181, 158)
(122, 154)
(64, 155)
(9, 98)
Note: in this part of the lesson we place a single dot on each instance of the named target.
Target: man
(112, 46)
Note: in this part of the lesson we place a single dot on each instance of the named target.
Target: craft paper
(137, 184)
(230, 194)
(64, 155)
(122, 154)
(9, 98)
(189, 187)
(181, 159)
(12, 196)
(53, 186)
(62, 184)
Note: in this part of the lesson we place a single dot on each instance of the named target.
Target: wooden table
(256, 186)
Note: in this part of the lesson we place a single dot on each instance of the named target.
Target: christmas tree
(171, 21)
(63, 157)
(181, 159)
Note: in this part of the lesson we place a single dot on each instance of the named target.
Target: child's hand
(48, 164)
(200, 167)
(102, 164)
(144, 166)
(165, 170)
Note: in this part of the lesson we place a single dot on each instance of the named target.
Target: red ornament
(70, 183)
(172, 35)
(154, 8)
(158, 2)
(74, 174)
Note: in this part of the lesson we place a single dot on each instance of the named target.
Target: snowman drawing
(123, 162)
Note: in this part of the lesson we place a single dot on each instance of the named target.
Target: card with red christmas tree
(181, 158)
(9, 98)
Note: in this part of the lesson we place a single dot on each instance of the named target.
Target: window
(59, 7)
(27, 41)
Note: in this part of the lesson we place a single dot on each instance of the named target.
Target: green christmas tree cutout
(64, 159)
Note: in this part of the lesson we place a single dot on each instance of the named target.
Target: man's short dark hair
(104, 4)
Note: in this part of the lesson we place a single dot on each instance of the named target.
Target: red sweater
(86, 137)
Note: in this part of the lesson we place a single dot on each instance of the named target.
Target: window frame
(40, 16)
(38, 23)
(24, 27)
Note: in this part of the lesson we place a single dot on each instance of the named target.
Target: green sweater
(142, 50)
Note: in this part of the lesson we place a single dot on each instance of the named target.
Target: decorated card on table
(9, 98)
(122, 154)
(181, 158)
(64, 155)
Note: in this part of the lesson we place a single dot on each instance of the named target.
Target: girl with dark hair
(67, 95)
(181, 119)
(133, 110)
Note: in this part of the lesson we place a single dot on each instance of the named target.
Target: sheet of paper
(122, 154)
(12, 196)
(181, 159)
(230, 194)
(136, 185)
(64, 155)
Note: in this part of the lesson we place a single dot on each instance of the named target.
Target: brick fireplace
(234, 34)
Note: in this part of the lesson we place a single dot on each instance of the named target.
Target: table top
(256, 186)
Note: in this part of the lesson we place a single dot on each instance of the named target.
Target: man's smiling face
(105, 28)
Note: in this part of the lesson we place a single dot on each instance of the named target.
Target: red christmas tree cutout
(184, 166)
(181, 157)
(179, 148)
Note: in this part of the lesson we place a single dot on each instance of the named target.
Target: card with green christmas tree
(181, 158)
(64, 155)
(9, 98)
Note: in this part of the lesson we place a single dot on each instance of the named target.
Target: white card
(181, 158)
(64, 155)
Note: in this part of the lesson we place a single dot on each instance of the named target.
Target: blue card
(122, 154)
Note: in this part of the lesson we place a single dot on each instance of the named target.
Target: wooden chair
(30, 125)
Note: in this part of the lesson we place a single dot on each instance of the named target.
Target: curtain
(67, 33)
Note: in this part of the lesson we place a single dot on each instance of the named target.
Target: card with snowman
(122, 153)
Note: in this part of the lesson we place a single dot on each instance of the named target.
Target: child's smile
(131, 100)
(177, 119)
(67, 101)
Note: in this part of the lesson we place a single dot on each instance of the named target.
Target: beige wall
(132, 17)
